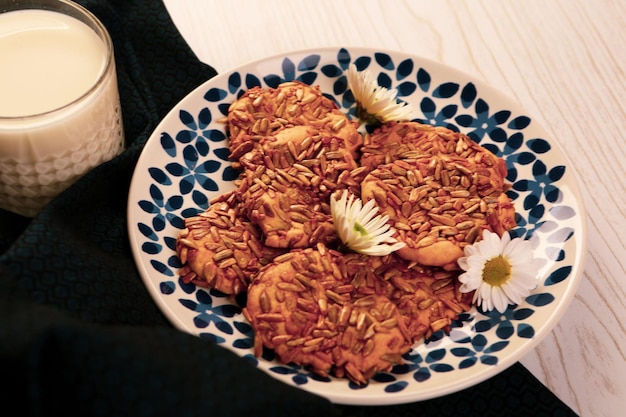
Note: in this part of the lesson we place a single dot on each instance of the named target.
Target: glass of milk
(60, 112)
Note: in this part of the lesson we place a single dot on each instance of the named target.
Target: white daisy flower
(501, 270)
(360, 228)
(375, 103)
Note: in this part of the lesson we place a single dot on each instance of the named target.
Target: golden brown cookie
(317, 154)
(289, 216)
(301, 307)
(394, 140)
(372, 339)
(427, 298)
(412, 140)
(261, 112)
(222, 250)
(438, 205)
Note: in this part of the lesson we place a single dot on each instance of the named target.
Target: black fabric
(79, 333)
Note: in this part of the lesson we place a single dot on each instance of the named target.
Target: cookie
(221, 249)
(302, 307)
(438, 205)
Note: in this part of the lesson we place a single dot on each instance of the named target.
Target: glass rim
(85, 16)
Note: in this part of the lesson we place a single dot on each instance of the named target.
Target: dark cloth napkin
(79, 333)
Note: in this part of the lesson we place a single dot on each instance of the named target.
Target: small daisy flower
(360, 228)
(501, 270)
(375, 104)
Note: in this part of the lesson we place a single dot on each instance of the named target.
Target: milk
(48, 60)
(59, 105)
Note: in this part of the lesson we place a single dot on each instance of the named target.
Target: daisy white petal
(464, 265)
(513, 293)
(499, 299)
(490, 246)
(469, 282)
(376, 103)
(360, 228)
(500, 270)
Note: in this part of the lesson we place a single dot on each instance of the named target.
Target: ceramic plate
(185, 163)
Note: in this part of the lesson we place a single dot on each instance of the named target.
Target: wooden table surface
(563, 61)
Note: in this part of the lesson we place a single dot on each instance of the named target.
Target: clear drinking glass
(60, 112)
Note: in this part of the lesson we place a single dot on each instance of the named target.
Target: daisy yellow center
(363, 115)
(360, 229)
(497, 271)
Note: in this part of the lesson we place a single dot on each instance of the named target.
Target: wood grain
(563, 61)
